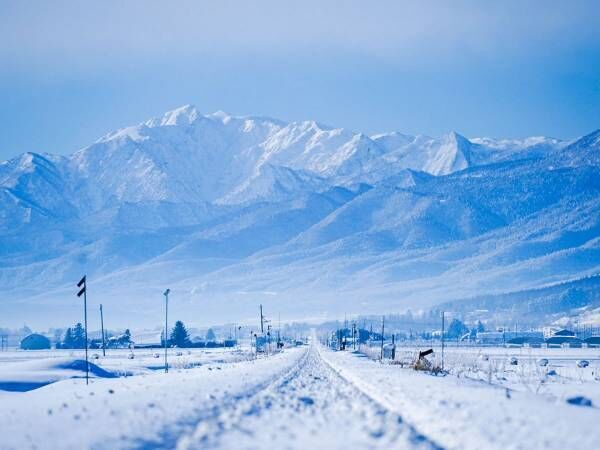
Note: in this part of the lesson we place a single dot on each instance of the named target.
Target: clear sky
(73, 71)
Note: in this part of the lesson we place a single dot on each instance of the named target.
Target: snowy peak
(392, 141)
(274, 183)
(584, 151)
(187, 157)
(590, 141)
(184, 115)
(453, 154)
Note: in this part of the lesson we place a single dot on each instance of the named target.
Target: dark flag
(81, 282)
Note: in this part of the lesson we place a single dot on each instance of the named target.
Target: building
(525, 341)
(563, 341)
(503, 337)
(592, 341)
(35, 342)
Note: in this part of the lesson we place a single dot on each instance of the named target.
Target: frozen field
(303, 398)
(559, 380)
(24, 370)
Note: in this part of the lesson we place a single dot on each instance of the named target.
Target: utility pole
(443, 313)
(166, 294)
(102, 328)
(353, 335)
(83, 291)
(262, 328)
(382, 332)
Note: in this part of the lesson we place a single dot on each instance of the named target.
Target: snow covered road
(291, 400)
(302, 398)
(310, 407)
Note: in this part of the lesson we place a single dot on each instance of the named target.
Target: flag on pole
(81, 282)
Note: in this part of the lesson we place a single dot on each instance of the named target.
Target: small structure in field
(592, 341)
(35, 342)
(564, 341)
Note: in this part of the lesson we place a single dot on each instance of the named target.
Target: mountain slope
(305, 218)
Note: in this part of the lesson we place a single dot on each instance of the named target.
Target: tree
(480, 327)
(210, 335)
(456, 329)
(68, 339)
(125, 338)
(78, 334)
(179, 335)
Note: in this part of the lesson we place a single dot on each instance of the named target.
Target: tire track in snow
(312, 406)
(173, 432)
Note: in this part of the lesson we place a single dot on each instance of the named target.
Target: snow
(459, 412)
(305, 397)
(143, 410)
(27, 370)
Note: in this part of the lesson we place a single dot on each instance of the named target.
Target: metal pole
(262, 329)
(166, 294)
(442, 340)
(102, 327)
(87, 364)
(382, 332)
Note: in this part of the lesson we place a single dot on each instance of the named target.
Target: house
(504, 337)
(564, 341)
(564, 332)
(592, 341)
(35, 342)
(525, 341)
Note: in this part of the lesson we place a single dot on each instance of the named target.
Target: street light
(166, 294)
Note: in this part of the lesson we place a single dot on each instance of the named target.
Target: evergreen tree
(125, 338)
(179, 335)
(68, 339)
(78, 334)
(456, 329)
(480, 327)
(210, 335)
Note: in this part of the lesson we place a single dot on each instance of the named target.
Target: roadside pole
(382, 333)
(102, 329)
(166, 294)
(443, 313)
(83, 291)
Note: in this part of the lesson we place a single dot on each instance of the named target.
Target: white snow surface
(305, 397)
(464, 413)
(148, 410)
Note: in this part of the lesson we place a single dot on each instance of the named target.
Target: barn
(35, 342)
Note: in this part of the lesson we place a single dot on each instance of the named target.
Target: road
(308, 408)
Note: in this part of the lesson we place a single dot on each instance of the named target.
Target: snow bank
(28, 375)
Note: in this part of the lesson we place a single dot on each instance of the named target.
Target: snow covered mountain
(306, 218)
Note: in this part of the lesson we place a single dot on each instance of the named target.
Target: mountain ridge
(223, 207)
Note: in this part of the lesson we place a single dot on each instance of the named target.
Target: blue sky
(73, 71)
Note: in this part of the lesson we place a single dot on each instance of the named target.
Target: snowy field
(302, 398)
(551, 372)
(24, 370)
(461, 410)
